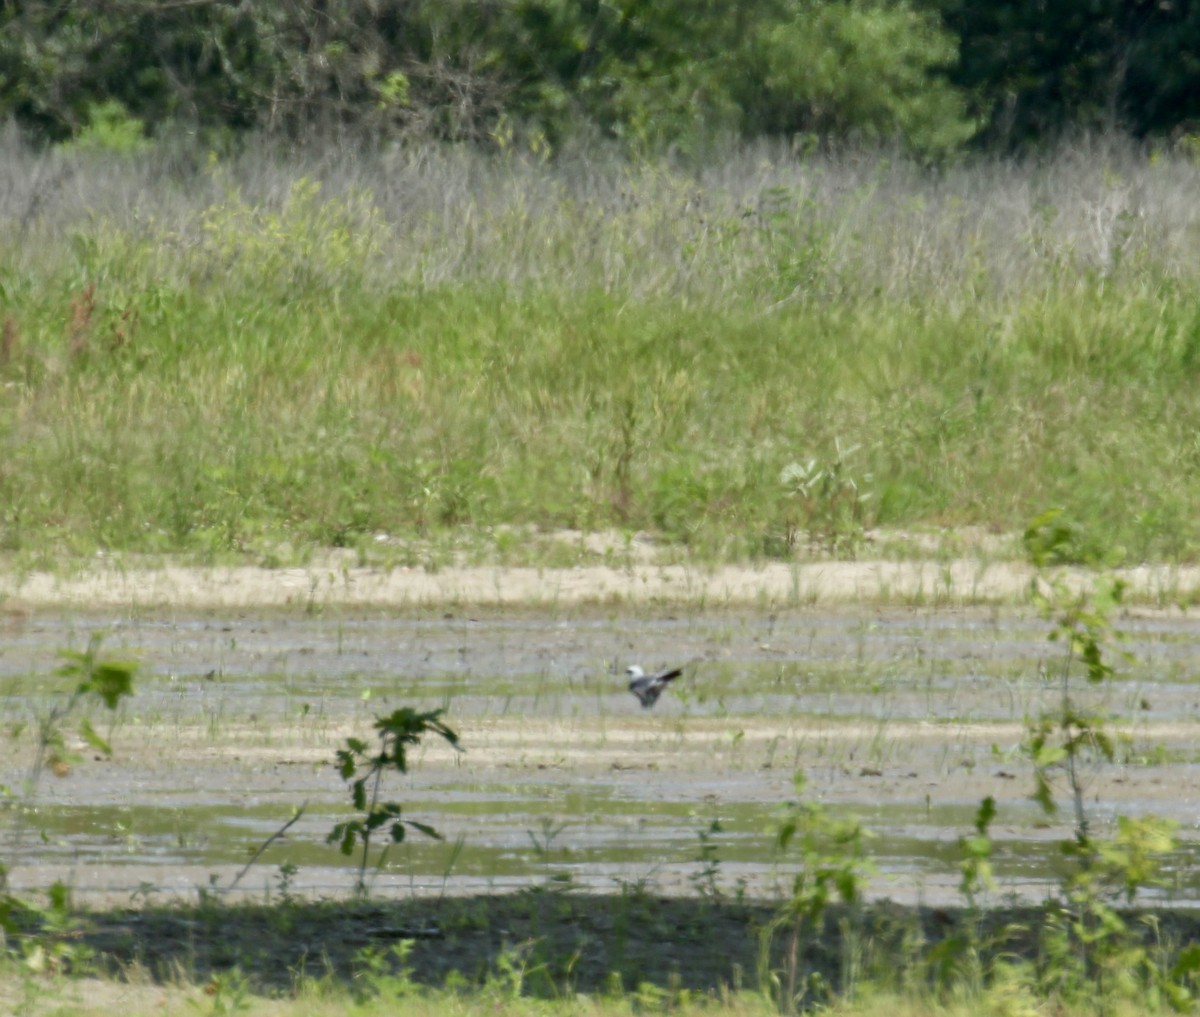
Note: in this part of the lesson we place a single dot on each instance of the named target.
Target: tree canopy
(927, 75)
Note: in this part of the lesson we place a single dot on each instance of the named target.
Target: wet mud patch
(904, 719)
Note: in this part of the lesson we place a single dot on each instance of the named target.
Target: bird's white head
(634, 671)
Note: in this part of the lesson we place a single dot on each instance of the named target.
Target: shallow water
(903, 719)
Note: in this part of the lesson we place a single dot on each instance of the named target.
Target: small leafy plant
(707, 880)
(105, 679)
(364, 772)
(957, 959)
(109, 681)
(833, 862)
(1088, 943)
(828, 501)
(50, 946)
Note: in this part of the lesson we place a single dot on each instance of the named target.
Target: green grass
(92, 999)
(272, 356)
(554, 953)
(106, 999)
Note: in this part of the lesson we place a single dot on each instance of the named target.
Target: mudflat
(903, 715)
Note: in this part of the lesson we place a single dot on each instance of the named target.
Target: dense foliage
(1035, 69)
(930, 74)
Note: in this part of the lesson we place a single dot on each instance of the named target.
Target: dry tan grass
(334, 581)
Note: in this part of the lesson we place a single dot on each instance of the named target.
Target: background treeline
(932, 75)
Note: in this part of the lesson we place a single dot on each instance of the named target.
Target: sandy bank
(334, 582)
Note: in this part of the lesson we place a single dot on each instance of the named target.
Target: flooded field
(903, 718)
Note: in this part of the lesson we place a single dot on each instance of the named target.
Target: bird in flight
(648, 687)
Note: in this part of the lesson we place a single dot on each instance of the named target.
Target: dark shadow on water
(562, 942)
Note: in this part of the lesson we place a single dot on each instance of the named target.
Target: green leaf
(60, 897)
(347, 834)
(1049, 755)
(985, 814)
(1187, 963)
(1049, 538)
(424, 828)
(345, 764)
(1043, 794)
(977, 846)
(76, 663)
(111, 682)
(89, 735)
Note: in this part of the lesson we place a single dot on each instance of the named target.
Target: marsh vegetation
(429, 352)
